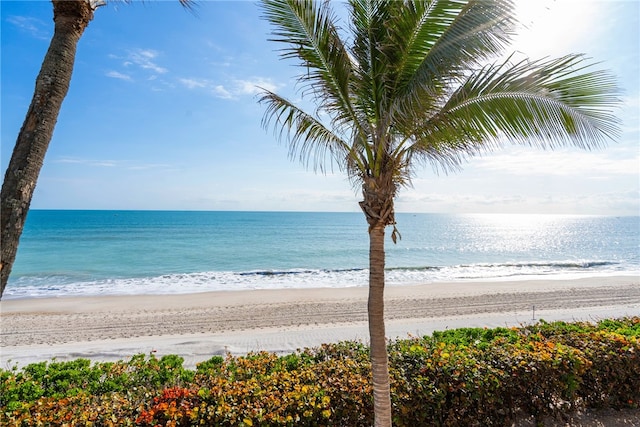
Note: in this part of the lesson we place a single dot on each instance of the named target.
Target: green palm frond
(307, 30)
(480, 31)
(548, 104)
(440, 41)
(409, 53)
(309, 140)
(368, 24)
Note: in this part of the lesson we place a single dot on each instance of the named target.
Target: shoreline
(201, 325)
(266, 285)
(465, 284)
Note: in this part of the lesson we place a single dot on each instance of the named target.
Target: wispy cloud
(37, 28)
(195, 83)
(87, 162)
(415, 197)
(608, 203)
(149, 166)
(145, 59)
(253, 86)
(232, 90)
(138, 64)
(221, 92)
(107, 163)
(118, 75)
(522, 162)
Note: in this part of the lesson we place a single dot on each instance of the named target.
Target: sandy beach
(198, 326)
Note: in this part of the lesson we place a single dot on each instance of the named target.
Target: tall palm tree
(407, 84)
(71, 18)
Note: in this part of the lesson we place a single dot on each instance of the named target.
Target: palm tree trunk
(71, 18)
(378, 343)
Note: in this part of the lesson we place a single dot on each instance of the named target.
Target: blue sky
(162, 113)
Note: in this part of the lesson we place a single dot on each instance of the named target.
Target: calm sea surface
(152, 252)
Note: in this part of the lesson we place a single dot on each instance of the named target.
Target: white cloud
(144, 59)
(221, 92)
(118, 75)
(78, 161)
(556, 27)
(558, 163)
(295, 200)
(140, 65)
(149, 166)
(599, 203)
(193, 83)
(106, 163)
(412, 197)
(233, 90)
(34, 26)
(252, 87)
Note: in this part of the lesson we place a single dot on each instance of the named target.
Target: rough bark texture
(377, 336)
(71, 18)
(378, 209)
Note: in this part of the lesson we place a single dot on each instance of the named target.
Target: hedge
(461, 377)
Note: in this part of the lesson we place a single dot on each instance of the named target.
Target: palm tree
(71, 18)
(407, 84)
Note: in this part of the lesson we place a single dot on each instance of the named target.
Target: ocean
(85, 253)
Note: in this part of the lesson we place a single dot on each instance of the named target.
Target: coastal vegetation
(402, 84)
(460, 377)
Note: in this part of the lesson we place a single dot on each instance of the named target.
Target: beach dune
(199, 326)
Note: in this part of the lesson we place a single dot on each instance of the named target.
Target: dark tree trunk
(71, 18)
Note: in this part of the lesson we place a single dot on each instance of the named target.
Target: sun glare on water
(522, 232)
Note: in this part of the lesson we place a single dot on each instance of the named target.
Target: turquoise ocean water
(64, 253)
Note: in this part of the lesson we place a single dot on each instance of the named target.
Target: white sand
(198, 326)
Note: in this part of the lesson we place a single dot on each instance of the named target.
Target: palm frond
(309, 140)
(369, 20)
(550, 103)
(307, 31)
(547, 104)
(438, 41)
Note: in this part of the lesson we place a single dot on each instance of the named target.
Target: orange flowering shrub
(174, 407)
